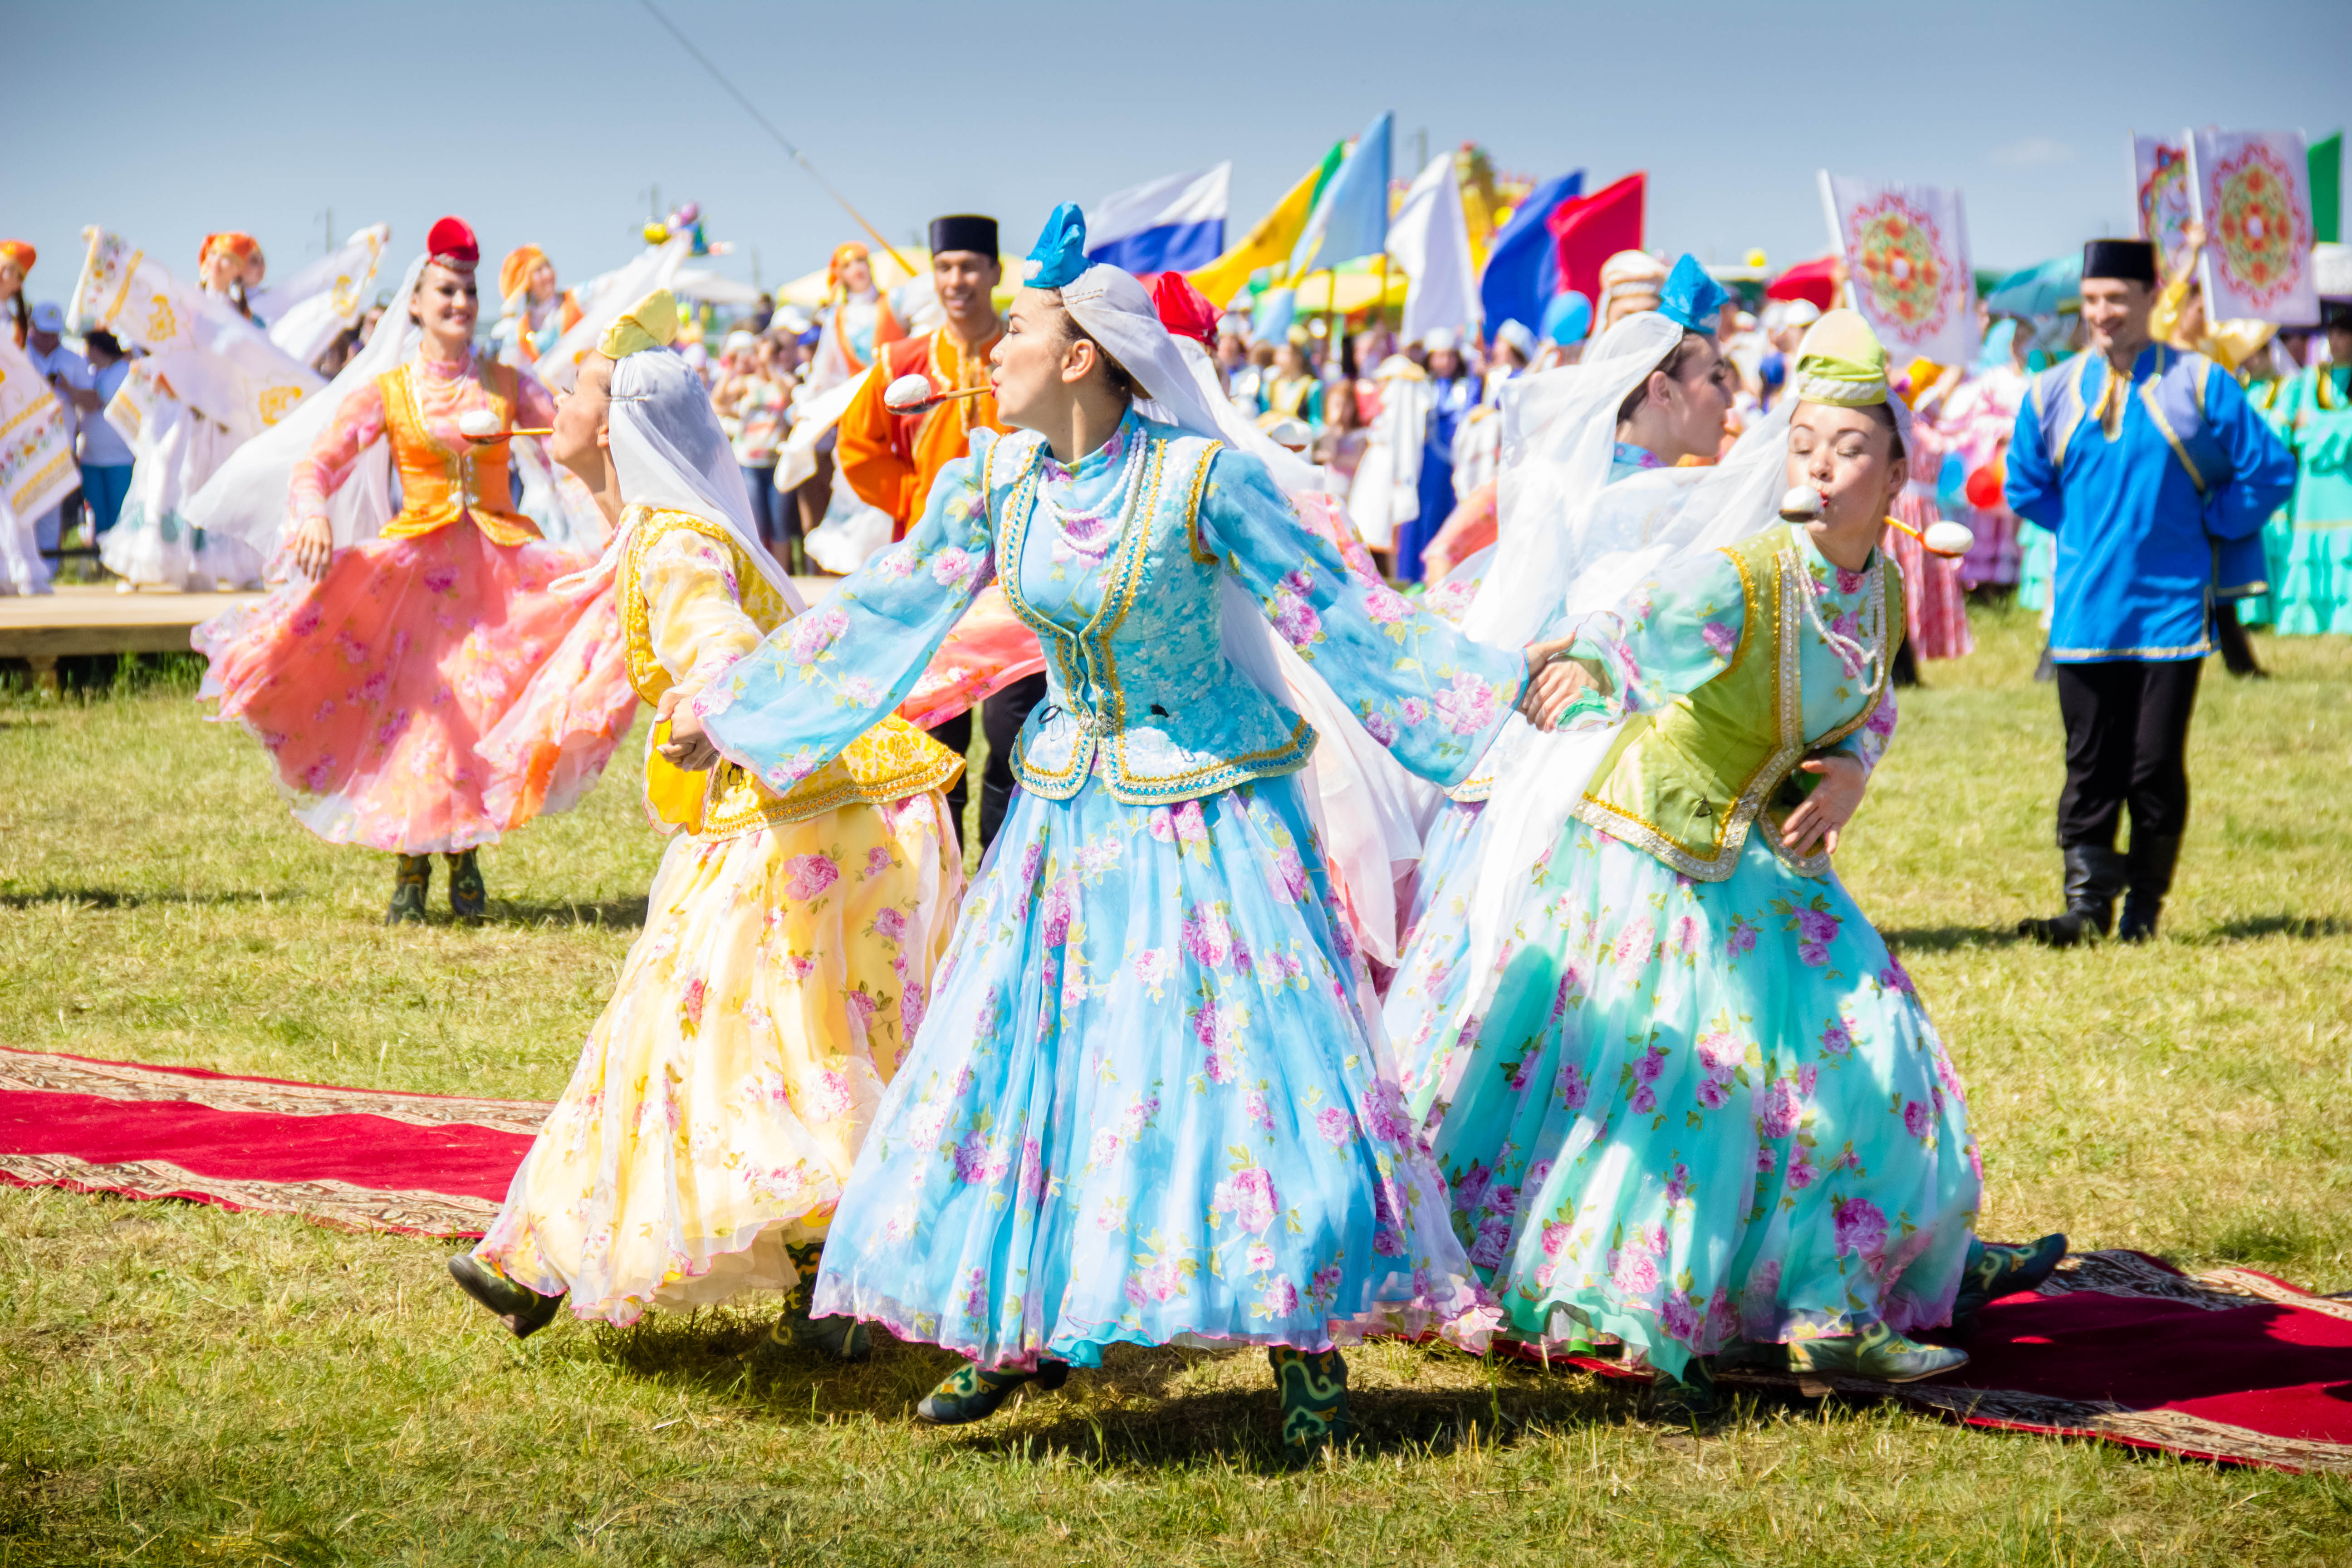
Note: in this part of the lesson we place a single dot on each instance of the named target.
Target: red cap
(1183, 310)
(452, 245)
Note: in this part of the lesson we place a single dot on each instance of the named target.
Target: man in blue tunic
(2149, 464)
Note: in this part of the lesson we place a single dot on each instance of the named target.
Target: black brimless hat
(2132, 260)
(964, 231)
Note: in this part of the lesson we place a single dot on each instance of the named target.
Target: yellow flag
(1268, 243)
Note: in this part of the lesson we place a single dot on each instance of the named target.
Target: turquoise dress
(1421, 1008)
(1696, 1112)
(1148, 1100)
(2313, 589)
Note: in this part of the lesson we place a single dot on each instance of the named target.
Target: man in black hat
(891, 460)
(2145, 461)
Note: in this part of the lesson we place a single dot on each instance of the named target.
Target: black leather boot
(2093, 878)
(2149, 878)
(469, 900)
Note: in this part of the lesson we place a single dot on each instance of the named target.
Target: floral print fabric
(1148, 1104)
(372, 688)
(1692, 1112)
(720, 1098)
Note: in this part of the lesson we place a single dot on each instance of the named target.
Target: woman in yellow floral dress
(701, 1145)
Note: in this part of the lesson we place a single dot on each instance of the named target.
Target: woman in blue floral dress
(1705, 1112)
(1148, 1102)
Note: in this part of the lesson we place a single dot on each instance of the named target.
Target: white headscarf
(247, 498)
(1657, 525)
(670, 451)
(1366, 806)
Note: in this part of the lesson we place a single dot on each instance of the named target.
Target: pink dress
(375, 687)
(1935, 601)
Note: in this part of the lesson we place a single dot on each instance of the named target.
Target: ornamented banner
(2252, 193)
(1906, 257)
(37, 459)
(215, 361)
(2160, 195)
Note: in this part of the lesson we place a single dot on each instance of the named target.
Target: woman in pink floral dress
(373, 677)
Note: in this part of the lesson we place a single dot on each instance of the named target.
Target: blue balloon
(1567, 319)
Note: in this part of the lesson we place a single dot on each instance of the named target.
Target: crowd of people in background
(1409, 432)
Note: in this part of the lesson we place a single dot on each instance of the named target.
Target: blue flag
(1351, 217)
(1523, 265)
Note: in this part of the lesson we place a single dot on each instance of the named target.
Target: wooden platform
(91, 617)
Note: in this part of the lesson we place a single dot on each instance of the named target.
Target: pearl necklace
(1855, 659)
(1091, 531)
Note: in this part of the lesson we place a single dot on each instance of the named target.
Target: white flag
(1430, 239)
(217, 363)
(1906, 254)
(309, 309)
(36, 456)
(2160, 195)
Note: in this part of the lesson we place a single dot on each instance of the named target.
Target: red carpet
(2229, 1364)
(363, 1159)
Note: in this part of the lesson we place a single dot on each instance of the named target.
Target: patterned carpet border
(338, 1205)
(47, 1072)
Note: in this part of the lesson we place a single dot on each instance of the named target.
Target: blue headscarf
(1060, 253)
(1691, 297)
(1568, 318)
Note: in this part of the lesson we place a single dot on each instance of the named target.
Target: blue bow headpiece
(1691, 297)
(1060, 253)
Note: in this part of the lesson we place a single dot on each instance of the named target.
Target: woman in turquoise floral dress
(1148, 1102)
(1705, 1113)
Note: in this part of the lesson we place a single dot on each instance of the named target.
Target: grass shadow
(1949, 939)
(617, 914)
(113, 898)
(2253, 927)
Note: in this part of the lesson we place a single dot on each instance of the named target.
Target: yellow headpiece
(650, 324)
(1841, 362)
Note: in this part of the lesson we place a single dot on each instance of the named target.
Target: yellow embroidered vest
(438, 485)
(1686, 782)
(889, 761)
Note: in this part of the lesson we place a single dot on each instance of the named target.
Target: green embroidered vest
(1685, 782)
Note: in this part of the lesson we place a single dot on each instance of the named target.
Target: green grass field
(183, 1385)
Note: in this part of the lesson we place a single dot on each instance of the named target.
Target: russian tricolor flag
(1168, 225)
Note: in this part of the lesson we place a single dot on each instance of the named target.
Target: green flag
(2327, 187)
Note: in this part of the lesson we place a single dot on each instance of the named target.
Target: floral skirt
(372, 687)
(1702, 1111)
(1151, 1104)
(551, 746)
(723, 1096)
(1420, 1013)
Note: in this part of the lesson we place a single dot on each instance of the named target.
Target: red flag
(1591, 229)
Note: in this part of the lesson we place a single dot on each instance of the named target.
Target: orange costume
(891, 460)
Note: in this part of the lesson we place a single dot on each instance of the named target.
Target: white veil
(1617, 538)
(670, 451)
(1365, 803)
(247, 499)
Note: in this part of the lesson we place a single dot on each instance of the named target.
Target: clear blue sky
(549, 123)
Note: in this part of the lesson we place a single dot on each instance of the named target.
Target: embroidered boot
(519, 1308)
(1877, 1353)
(412, 880)
(1994, 1271)
(1684, 1399)
(2149, 868)
(844, 1339)
(971, 1393)
(1313, 1387)
(2093, 878)
(469, 899)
